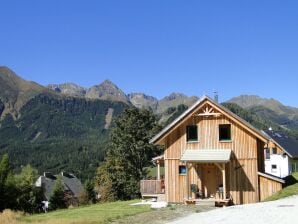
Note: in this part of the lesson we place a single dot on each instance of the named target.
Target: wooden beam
(222, 168)
(208, 114)
(187, 181)
(158, 170)
(224, 180)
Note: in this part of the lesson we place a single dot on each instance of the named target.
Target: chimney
(216, 96)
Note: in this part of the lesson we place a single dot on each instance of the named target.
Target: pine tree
(57, 199)
(128, 154)
(89, 190)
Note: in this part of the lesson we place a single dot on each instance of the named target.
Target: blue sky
(156, 46)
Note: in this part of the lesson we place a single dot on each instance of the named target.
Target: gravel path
(284, 211)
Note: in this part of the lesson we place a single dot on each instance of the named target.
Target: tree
(57, 199)
(129, 152)
(29, 196)
(5, 180)
(89, 189)
(89, 195)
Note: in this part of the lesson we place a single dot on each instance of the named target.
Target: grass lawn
(113, 212)
(99, 213)
(287, 191)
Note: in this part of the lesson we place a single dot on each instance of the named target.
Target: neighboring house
(212, 153)
(73, 187)
(281, 154)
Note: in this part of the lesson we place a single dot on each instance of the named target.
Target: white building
(280, 154)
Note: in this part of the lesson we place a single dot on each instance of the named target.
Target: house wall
(283, 165)
(281, 160)
(268, 187)
(241, 171)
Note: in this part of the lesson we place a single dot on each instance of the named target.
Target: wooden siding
(241, 171)
(268, 187)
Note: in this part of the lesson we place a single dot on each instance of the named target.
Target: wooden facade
(241, 178)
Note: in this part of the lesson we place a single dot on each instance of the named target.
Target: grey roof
(193, 107)
(269, 176)
(207, 155)
(69, 182)
(289, 144)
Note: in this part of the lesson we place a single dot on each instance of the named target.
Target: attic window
(224, 132)
(267, 153)
(192, 133)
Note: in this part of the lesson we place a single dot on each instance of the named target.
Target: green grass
(99, 213)
(287, 191)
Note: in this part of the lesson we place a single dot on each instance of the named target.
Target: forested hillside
(55, 134)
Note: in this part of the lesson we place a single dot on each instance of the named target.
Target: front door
(209, 180)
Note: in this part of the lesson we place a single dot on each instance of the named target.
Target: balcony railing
(152, 186)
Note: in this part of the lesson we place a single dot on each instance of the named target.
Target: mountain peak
(107, 90)
(68, 88)
(15, 91)
(141, 100)
(247, 101)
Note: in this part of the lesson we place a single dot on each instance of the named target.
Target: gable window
(224, 132)
(192, 133)
(182, 169)
(274, 151)
(267, 153)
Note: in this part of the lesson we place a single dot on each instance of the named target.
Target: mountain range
(66, 126)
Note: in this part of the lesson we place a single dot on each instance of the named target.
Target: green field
(99, 213)
(290, 190)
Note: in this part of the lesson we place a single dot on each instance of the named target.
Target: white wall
(283, 165)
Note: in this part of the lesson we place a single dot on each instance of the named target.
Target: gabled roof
(221, 108)
(69, 182)
(287, 143)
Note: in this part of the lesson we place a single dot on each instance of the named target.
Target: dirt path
(275, 212)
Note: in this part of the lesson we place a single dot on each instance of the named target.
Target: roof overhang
(207, 155)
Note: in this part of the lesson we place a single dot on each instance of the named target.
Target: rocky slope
(69, 89)
(15, 92)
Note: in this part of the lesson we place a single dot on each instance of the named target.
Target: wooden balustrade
(152, 186)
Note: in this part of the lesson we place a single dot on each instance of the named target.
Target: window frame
(188, 140)
(219, 133)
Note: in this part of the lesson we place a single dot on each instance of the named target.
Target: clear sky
(156, 46)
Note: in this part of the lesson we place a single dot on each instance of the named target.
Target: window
(273, 168)
(267, 153)
(274, 151)
(192, 133)
(182, 169)
(224, 132)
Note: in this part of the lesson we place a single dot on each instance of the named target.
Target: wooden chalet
(212, 153)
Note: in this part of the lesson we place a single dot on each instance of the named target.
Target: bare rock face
(69, 89)
(107, 91)
(140, 100)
